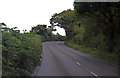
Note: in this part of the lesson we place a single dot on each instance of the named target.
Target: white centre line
(94, 74)
(87, 70)
(78, 63)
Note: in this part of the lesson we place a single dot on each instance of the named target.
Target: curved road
(60, 60)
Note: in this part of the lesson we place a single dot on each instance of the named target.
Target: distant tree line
(46, 33)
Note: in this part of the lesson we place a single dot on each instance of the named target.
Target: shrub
(20, 53)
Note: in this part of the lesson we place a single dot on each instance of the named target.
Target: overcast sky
(27, 13)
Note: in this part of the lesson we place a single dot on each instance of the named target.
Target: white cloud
(26, 13)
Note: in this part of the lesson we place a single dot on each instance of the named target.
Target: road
(60, 60)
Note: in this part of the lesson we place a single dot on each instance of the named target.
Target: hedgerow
(20, 52)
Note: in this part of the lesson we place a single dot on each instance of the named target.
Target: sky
(25, 14)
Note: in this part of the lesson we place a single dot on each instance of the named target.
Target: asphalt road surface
(60, 60)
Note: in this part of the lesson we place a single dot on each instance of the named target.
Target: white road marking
(78, 63)
(87, 69)
(94, 74)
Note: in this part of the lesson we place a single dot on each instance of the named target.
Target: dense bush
(20, 52)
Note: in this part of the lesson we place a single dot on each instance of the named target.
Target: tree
(107, 20)
(39, 29)
(66, 20)
(2, 24)
(42, 30)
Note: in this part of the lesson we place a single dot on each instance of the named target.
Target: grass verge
(110, 57)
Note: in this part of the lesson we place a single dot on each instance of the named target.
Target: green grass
(110, 57)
